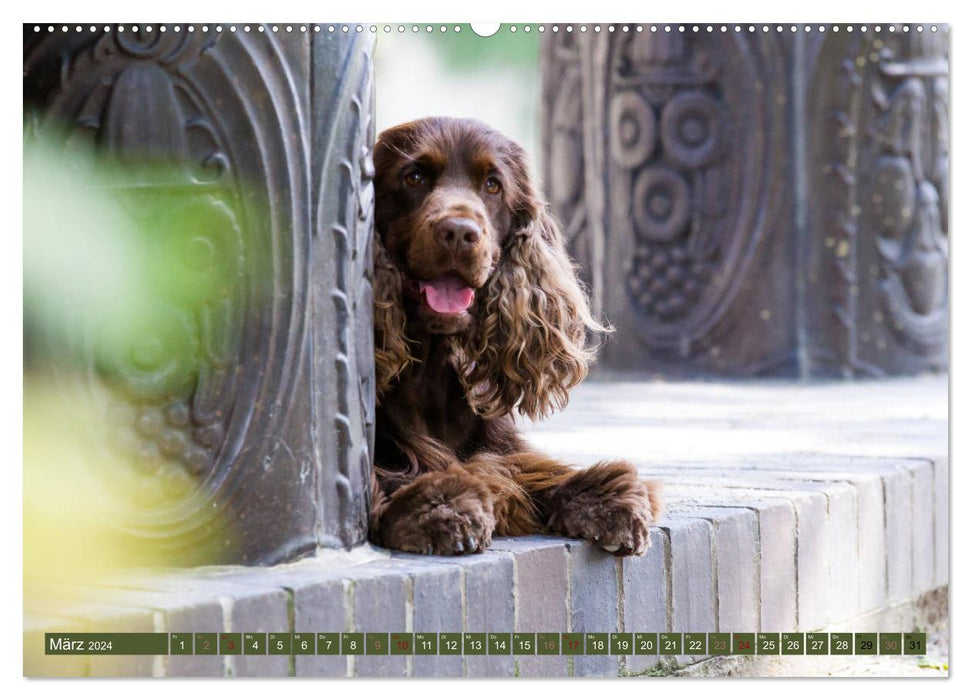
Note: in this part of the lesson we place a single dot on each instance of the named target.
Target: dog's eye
(415, 178)
(492, 185)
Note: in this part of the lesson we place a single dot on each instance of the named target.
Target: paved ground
(659, 423)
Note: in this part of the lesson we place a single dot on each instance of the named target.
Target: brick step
(846, 526)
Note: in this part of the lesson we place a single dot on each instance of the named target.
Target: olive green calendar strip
(488, 643)
(104, 644)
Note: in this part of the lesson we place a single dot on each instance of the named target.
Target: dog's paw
(445, 513)
(607, 505)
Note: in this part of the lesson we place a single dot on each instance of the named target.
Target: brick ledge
(849, 523)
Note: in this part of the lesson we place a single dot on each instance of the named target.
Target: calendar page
(467, 350)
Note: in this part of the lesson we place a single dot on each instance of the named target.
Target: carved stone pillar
(877, 204)
(755, 204)
(263, 424)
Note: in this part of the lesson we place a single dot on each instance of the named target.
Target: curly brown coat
(478, 314)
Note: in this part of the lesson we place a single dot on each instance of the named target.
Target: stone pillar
(755, 204)
(260, 418)
(876, 202)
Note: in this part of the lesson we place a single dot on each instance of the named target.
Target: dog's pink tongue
(447, 295)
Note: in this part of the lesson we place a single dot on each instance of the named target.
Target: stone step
(788, 508)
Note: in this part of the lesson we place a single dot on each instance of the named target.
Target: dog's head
(466, 248)
(448, 194)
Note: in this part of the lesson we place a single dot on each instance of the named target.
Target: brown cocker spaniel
(478, 314)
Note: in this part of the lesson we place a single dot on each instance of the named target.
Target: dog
(479, 315)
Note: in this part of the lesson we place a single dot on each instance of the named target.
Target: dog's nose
(458, 233)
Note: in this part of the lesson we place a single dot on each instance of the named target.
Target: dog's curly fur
(456, 210)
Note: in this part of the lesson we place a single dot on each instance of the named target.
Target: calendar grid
(487, 643)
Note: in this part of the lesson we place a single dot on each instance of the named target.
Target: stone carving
(172, 390)
(762, 204)
(905, 203)
(879, 118)
(690, 137)
(344, 214)
(564, 151)
(214, 403)
(690, 242)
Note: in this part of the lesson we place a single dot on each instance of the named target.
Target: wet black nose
(458, 233)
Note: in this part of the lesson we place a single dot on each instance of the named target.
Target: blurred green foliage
(466, 49)
(133, 277)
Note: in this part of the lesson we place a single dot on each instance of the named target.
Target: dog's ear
(391, 353)
(391, 345)
(529, 344)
